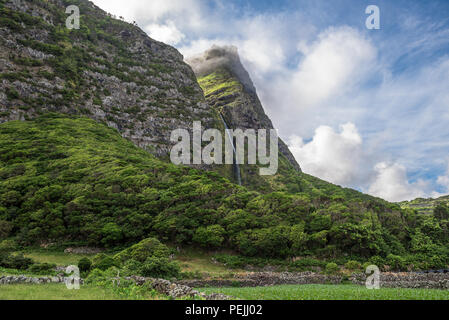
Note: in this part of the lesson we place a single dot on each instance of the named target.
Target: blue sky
(368, 109)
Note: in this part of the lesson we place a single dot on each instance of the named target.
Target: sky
(362, 108)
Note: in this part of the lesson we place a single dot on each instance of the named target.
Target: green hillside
(425, 206)
(68, 179)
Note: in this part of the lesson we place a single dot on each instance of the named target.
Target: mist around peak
(218, 57)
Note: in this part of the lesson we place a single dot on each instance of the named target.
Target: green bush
(15, 261)
(103, 262)
(396, 263)
(210, 236)
(353, 265)
(332, 268)
(141, 251)
(84, 265)
(152, 267)
(160, 268)
(377, 261)
(12, 94)
(5, 229)
(42, 268)
(307, 264)
(8, 246)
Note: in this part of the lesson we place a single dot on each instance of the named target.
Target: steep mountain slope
(108, 70)
(229, 90)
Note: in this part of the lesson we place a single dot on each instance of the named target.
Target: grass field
(55, 292)
(329, 292)
(193, 260)
(59, 258)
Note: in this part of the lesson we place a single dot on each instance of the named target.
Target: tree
(441, 211)
(5, 229)
(211, 236)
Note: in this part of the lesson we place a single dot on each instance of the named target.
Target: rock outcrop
(108, 70)
(229, 89)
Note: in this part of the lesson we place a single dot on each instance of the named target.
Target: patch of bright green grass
(59, 258)
(329, 292)
(55, 292)
(221, 82)
(198, 261)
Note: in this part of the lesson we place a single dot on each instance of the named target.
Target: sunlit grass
(194, 260)
(58, 258)
(55, 292)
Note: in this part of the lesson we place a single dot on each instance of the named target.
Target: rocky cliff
(108, 70)
(229, 89)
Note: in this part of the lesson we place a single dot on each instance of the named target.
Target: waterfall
(236, 165)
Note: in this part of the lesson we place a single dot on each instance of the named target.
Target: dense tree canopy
(72, 179)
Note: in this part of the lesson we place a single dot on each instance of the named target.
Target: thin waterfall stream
(235, 165)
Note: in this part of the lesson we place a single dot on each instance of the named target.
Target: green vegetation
(60, 292)
(219, 84)
(72, 179)
(55, 257)
(329, 292)
(84, 265)
(427, 206)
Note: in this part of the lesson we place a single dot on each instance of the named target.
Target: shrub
(307, 264)
(377, 261)
(7, 246)
(397, 263)
(5, 229)
(84, 265)
(141, 251)
(232, 262)
(152, 267)
(42, 268)
(332, 268)
(17, 261)
(160, 268)
(12, 94)
(353, 265)
(103, 262)
(210, 236)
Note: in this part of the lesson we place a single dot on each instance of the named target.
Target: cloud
(443, 180)
(392, 184)
(331, 66)
(331, 156)
(342, 158)
(167, 32)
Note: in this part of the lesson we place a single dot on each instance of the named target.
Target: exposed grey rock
(144, 98)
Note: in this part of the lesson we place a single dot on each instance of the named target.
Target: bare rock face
(108, 70)
(229, 89)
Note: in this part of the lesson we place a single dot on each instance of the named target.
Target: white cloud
(167, 32)
(391, 184)
(332, 65)
(154, 10)
(342, 158)
(443, 180)
(332, 156)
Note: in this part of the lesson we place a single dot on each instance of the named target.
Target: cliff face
(108, 70)
(229, 89)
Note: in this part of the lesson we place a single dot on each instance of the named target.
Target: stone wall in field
(407, 280)
(32, 280)
(260, 279)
